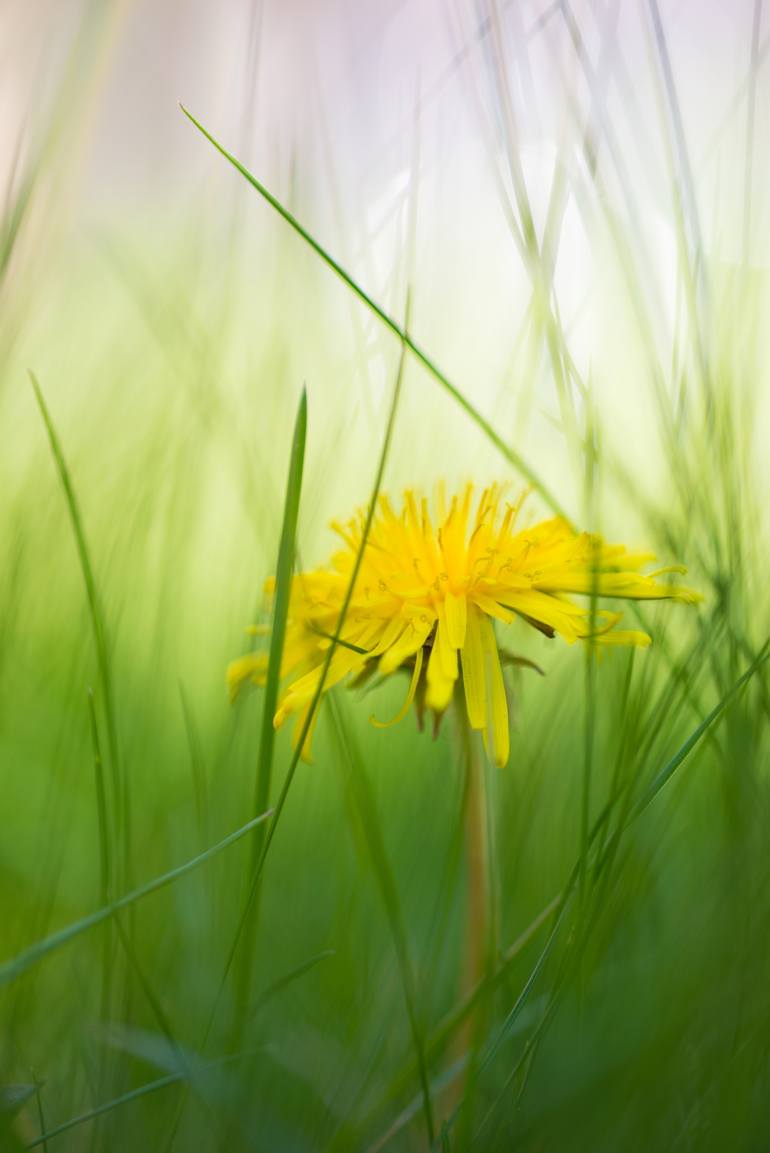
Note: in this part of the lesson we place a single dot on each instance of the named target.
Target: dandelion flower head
(432, 590)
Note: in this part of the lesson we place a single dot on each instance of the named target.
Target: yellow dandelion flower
(428, 596)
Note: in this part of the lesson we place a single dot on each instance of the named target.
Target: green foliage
(147, 1001)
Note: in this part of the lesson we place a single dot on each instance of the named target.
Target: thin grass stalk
(175, 1078)
(105, 856)
(40, 1115)
(106, 1107)
(22, 962)
(105, 896)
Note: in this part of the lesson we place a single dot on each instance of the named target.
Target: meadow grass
(204, 942)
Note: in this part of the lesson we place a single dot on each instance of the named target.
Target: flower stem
(479, 922)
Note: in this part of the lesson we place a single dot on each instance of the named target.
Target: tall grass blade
(302, 736)
(513, 458)
(283, 580)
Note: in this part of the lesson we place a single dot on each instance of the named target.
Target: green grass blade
(178, 1076)
(41, 1116)
(666, 773)
(105, 887)
(107, 1107)
(660, 780)
(14, 968)
(283, 579)
(281, 801)
(289, 978)
(513, 458)
(105, 856)
(284, 570)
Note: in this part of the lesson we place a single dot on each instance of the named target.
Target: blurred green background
(582, 234)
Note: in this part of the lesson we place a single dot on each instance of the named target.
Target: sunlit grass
(206, 943)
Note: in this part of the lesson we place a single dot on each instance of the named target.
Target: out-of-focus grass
(628, 1004)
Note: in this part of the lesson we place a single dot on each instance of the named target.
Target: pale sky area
(390, 129)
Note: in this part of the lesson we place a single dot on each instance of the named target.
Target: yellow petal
(496, 733)
(411, 639)
(409, 696)
(252, 667)
(390, 634)
(623, 637)
(560, 615)
(441, 677)
(456, 611)
(303, 690)
(492, 608)
(474, 683)
(446, 650)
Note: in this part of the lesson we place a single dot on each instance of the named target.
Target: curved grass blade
(14, 968)
(513, 458)
(98, 629)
